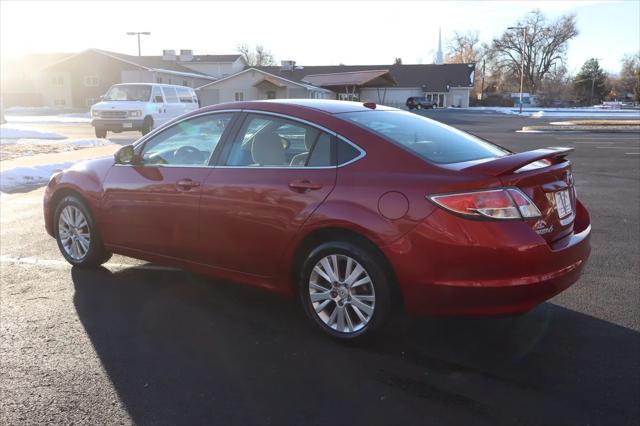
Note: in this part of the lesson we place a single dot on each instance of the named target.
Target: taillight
(508, 203)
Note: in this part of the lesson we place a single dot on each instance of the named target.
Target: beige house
(256, 84)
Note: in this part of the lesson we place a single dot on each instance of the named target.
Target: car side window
(266, 141)
(187, 143)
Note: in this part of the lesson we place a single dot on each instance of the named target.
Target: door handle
(187, 184)
(304, 185)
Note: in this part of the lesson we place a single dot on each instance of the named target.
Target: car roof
(325, 105)
(153, 84)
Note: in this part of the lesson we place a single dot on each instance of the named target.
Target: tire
(434, 106)
(418, 106)
(88, 250)
(147, 125)
(101, 133)
(322, 302)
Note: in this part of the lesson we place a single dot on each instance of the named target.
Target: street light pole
(524, 44)
(138, 33)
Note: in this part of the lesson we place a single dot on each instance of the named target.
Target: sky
(309, 32)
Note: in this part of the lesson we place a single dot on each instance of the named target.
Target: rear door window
(265, 141)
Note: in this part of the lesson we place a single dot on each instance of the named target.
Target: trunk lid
(545, 176)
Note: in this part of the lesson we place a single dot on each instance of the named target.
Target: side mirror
(125, 155)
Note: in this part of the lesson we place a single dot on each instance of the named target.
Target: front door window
(188, 143)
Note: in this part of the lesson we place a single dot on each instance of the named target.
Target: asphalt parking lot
(136, 343)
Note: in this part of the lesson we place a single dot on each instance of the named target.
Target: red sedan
(355, 208)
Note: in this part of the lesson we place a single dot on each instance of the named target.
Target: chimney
(168, 55)
(287, 65)
(186, 55)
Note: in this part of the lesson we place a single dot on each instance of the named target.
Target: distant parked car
(140, 107)
(419, 102)
(352, 207)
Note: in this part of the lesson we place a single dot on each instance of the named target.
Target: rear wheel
(418, 106)
(147, 125)
(344, 290)
(77, 234)
(101, 133)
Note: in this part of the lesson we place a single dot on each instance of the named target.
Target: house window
(239, 96)
(271, 94)
(57, 81)
(91, 81)
(159, 80)
(59, 102)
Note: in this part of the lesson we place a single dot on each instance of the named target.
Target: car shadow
(182, 349)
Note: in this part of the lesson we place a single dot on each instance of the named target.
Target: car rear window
(429, 139)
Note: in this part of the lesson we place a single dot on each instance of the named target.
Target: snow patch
(70, 118)
(26, 176)
(10, 133)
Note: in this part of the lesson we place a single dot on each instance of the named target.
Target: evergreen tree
(590, 84)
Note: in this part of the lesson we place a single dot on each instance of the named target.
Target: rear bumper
(118, 125)
(485, 268)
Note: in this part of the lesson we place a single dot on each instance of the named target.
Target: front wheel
(418, 106)
(345, 291)
(101, 133)
(77, 234)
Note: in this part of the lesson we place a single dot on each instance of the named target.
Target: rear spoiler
(513, 162)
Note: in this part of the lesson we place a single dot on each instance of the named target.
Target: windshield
(427, 138)
(129, 92)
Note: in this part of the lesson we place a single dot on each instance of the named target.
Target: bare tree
(465, 48)
(545, 46)
(397, 61)
(256, 56)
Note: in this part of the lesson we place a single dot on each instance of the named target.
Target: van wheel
(345, 291)
(101, 133)
(418, 106)
(147, 126)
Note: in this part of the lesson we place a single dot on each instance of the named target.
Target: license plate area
(127, 125)
(563, 203)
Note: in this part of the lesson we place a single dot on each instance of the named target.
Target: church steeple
(439, 56)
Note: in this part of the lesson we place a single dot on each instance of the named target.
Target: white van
(141, 107)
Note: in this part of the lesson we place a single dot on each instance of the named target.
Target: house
(20, 80)
(444, 84)
(255, 84)
(78, 80)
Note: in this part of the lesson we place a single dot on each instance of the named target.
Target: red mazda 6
(352, 207)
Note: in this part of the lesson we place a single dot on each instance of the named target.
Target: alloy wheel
(342, 293)
(74, 232)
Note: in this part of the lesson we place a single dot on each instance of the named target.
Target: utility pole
(524, 44)
(136, 33)
(482, 83)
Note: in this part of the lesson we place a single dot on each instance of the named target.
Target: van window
(156, 95)
(129, 92)
(170, 95)
(184, 95)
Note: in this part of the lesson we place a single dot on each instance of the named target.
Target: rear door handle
(304, 185)
(187, 184)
